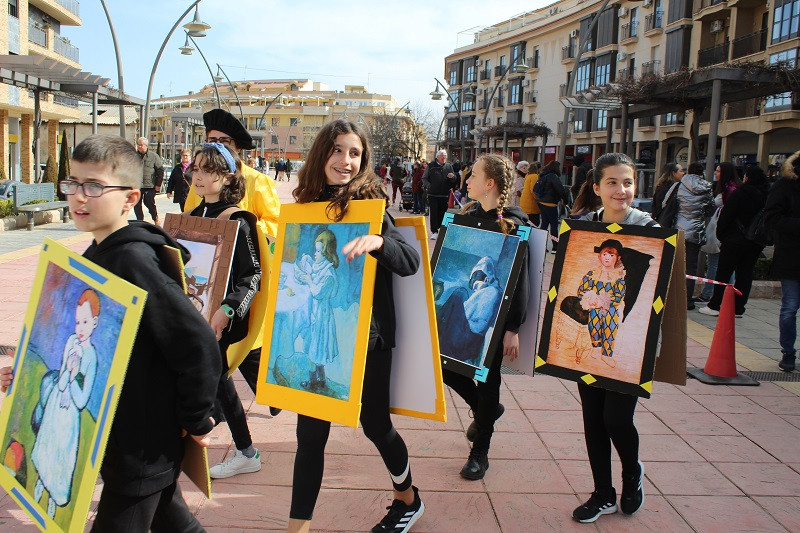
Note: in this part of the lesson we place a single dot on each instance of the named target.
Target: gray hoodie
(634, 217)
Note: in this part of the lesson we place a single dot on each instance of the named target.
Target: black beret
(609, 243)
(221, 120)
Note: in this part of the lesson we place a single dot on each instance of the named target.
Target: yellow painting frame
(365, 216)
(411, 385)
(62, 272)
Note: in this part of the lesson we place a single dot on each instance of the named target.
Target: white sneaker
(708, 311)
(236, 463)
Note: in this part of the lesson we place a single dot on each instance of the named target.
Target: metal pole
(584, 39)
(457, 103)
(216, 89)
(241, 111)
(94, 113)
(713, 124)
(497, 86)
(37, 122)
(120, 80)
(146, 110)
(623, 138)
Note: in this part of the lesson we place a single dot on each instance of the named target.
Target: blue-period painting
(71, 347)
(316, 316)
(469, 281)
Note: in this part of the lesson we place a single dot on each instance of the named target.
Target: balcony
(629, 32)
(485, 74)
(653, 22)
(703, 4)
(498, 70)
(498, 102)
(532, 62)
(744, 109)
(560, 129)
(651, 68)
(749, 44)
(562, 90)
(36, 34)
(67, 12)
(713, 55)
(567, 54)
(530, 97)
(65, 101)
(626, 74)
(64, 48)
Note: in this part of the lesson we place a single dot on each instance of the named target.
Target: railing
(713, 55)
(702, 4)
(530, 96)
(647, 122)
(62, 47)
(562, 90)
(626, 73)
(744, 109)
(36, 34)
(485, 74)
(532, 62)
(653, 21)
(65, 100)
(73, 6)
(673, 119)
(567, 52)
(629, 30)
(498, 71)
(498, 102)
(651, 68)
(749, 44)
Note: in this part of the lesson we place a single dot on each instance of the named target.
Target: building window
(260, 123)
(514, 117)
(276, 121)
(13, 8)
(470, 73)
(452, 128)
(274, 139)
(602, 119)
(292, 139)
(453, 99)
(786, 21)
(453, 77)
(634, 21)
(294, 121)
(602, 76)
(515, 94)
(499, 120)
(518, 53)
(502, 62)
(782, 101)
(500, 99)
(583, 76)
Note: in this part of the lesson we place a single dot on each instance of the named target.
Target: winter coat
(782, 219)
(436, 181)
(695, 205)
(737, 213)
(173, 374)
(179, 183)
(658, 198)
(580, 177)
(527, 201)
(554, 190)
(416, 180)
(152, 170)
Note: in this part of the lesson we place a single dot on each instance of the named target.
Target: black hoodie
(519, 302)
(173, 373)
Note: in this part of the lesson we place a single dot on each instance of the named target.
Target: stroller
(407, 196)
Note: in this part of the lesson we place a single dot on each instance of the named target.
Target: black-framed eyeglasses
(223, 140)
(90, 189)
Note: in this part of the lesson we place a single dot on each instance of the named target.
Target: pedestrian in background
(519, 182)
(180, 179)
(527, 202)
(549, 192)
(437, 182)
(671, 173)
(695, 205)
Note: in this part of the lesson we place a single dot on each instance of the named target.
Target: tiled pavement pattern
(716, 458)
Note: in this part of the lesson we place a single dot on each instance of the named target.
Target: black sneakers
(632, 496)
(787, 362)
(476, 466)
(472, 430)
(401, 516)
(596, 505)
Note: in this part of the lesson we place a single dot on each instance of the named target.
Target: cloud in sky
(396, 47)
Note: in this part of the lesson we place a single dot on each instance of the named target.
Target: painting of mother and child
(316, 317)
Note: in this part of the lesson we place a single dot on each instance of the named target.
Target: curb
(21, 221)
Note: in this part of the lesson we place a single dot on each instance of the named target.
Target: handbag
(756, 232)
(712, 242)
(669, 211)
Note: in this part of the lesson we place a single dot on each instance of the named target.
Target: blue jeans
(550, 220)
(712, 260)
(787, 324)
(419, 206)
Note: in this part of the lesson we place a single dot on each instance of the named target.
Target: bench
(25, 193)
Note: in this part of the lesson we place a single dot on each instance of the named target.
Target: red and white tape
(706, 280)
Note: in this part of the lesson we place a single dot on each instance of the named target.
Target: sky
(393, 47)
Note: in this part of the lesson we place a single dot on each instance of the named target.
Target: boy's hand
(202, 440)
(511, 345)
(362, 245)
(169, 196)
(219, 321)
(6, 377)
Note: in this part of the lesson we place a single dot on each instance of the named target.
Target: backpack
(669, 211)
(756, 232)
(540, 186)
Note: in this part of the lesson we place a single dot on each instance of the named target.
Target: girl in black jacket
(180, 179)
(491, 183)
(338, 170)
(217, 174)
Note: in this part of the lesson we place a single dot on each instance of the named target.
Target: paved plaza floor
(717, 458)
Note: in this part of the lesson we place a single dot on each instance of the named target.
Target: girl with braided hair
(490, 185)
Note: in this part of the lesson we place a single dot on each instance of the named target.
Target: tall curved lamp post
(436, 94)
(288, 135)
(518, 67)
(120, 79)
(196, 25)
(264, 114)
(233, 87)
(187, 50)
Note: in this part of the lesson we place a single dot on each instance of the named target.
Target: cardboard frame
(82, 417)
(291, 305)
(576, 344)
(417, 388)
(193, 233)
(471, 231)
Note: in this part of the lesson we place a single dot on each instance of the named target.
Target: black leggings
(163, 511)
(148, 198)
(228, 398)
(607, 418)
(482, 398)
(312, 436)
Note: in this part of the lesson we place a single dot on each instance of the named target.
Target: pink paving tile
(782, 509)
(689, 479)
(694, 386)
(525, 476)
(767, 425)
(513, 420)
(728, 449)
(276, 470)
(451, 511)
(666, 389)
(561, 401)
(436, 443)
(507, 445)
(779, 405)
(723, 514)
(765, 389)
(453, 422)
(696, 423)
(792, 419)
(649, 424)
(539, 512)
(565, 445)
(673, 403)
(555, 421)
(762, 479)
(247, 506)
(579, 473)
(666, 448)
(784, 449)
(729, 404)
(349, 441)
(434, 474)
(540, 383)
(656, 515)
(268, 435)
(358, 472)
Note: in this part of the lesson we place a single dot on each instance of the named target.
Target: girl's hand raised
(6, 377)
(362, 245)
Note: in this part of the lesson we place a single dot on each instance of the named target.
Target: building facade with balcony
(630, 40)
(33, 27)
(284, 116)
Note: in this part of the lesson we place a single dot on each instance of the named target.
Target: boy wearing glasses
(174, 369)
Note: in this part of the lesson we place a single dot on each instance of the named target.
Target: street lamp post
(233, 87)
(119, 70)
(264, 114)
(187, 51)
(437, 95)
(196, 25)
(518, 67)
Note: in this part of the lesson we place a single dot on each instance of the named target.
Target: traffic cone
(720, 366)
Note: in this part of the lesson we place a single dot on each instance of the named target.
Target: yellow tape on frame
(62, 273)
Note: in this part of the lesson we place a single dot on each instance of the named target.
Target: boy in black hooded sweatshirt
(174, 368)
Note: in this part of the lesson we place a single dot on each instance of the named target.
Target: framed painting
(73, 351)
(211, 242)
(416, 389)
(318, 312)
(475, 271)
(605, 304)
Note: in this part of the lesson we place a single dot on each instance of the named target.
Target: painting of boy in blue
(600, 292)
(55, 452)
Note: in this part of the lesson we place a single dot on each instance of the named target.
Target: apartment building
(516, 72)
(34, 28)
(283, 116)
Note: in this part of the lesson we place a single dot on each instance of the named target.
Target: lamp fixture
(436, 94)
(186, 49)
(197, 25)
